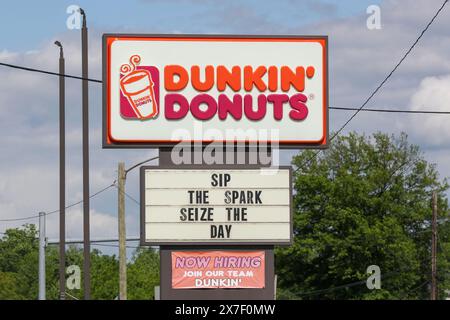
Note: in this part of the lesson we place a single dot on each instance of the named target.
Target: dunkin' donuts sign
(163, 90)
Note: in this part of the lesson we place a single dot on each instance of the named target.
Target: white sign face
(208, 206)
(163, 90)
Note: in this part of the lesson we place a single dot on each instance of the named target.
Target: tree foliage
(19, 249)
(143, 274)
(364, 201)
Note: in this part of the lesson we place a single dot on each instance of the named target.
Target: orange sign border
(108, 39)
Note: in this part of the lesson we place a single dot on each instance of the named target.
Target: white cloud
(103, 225)
(432, 94)
(359, 60)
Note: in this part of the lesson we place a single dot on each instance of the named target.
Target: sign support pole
(85, 112)
(62, 176)
(166, 291)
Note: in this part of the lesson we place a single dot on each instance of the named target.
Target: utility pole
(121, 179)
(41, 255)
(62, 175)
(122, 232)
(85, 114)
(434, 248)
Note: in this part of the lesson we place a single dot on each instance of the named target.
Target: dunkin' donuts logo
(255, 92)
(139, 90)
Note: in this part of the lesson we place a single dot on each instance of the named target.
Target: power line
(20, 219)
(128, 196)
(128, 170)
(81, 201)
(55, 211)
(131, 239)
(114, 245)
(382, 82)
(47, 72)
(403, 168)
(392, 71)
(331, 108)
(348, 285)
(71, 296)
(405, 295)
(392, 110)
(142, 162)
(113, 184)
(357, 283)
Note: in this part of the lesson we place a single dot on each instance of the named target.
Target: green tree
(143, 274)
(19, 260)
(104, 274)
(8, 286)
(364, 201)
(19, 250)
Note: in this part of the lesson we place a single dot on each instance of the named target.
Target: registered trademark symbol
(311, 96)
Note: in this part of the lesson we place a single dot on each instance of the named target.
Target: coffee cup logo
(137, 87)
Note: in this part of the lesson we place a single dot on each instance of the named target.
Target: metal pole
(122, 233)
(41, 255)
(275, 280)
(62, 176)
(434, 249)
(86, 227)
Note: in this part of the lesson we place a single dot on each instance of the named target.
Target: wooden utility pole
(122, 233)
(434, 248)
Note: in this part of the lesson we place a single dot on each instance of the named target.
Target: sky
(359, 59)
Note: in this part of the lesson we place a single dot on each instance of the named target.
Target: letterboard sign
(216, 206)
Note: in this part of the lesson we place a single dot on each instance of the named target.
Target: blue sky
(33, 22)
(359, 60)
